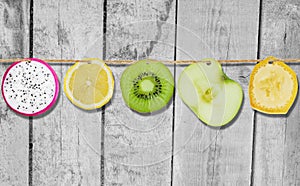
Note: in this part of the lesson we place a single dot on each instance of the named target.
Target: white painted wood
(14, 42)
(67, 140)
(138, 148)
(222, 30)
(277, 137)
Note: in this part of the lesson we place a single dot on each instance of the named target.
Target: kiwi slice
(147, 86)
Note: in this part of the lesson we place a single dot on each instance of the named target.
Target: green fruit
(147, 86)
(209, 93)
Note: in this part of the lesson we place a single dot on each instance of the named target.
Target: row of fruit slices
(31, 87)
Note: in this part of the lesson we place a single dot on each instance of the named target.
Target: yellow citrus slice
(273, 86)
(89, 85)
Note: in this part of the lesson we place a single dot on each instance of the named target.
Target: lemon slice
(89, 85)
(273, 86)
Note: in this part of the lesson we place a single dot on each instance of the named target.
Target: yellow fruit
(273, 86)
(89, 85)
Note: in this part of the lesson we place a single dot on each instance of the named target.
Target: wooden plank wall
(277, 138)
(14, 133)
(116, 146)
(138, 148)
(67, 140)
(216, 156)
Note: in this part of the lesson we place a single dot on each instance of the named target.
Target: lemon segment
(273, 87)
(89, 85)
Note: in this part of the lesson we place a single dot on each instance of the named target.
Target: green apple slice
(209, 93)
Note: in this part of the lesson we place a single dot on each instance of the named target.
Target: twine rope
(179, 62)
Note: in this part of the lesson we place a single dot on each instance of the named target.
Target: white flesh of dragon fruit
(30, 87)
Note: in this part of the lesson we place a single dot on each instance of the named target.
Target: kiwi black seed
(147, 86)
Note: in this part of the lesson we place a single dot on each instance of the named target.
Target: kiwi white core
(147, 85)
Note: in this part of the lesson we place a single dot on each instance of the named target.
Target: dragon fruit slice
(30, 87)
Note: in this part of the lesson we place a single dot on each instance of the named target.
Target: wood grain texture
(215, 29)
(67, 140)
(138, 148)
(277, 137)
(14, 43)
